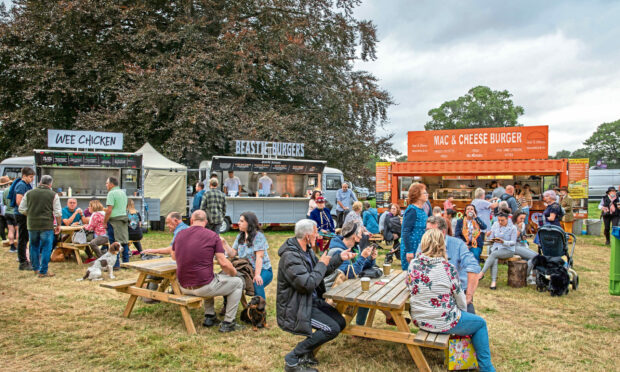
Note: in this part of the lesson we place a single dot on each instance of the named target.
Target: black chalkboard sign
(267, 165)
(87, 159)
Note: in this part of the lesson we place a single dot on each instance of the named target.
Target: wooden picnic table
(165, 268)
(392, 296)
(66, 234)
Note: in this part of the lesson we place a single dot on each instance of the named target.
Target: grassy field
(59, 324)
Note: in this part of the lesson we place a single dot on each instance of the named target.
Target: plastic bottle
(69, 192)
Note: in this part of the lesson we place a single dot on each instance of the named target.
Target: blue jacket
(371, 220)
(458, 231)
(197, 200)
(323, 219)
(359, 263)
(413, 227)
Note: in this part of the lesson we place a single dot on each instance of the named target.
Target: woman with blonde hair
(98, 227)
(414, 223)
(437, 300)
(355, 215)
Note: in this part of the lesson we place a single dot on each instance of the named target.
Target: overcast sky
(559, 59)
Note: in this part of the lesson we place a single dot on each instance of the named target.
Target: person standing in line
(414, 223)
(498, 190)
(567, 203)
(344, 199)
(116, 218)
(526, 201)
(232, 185)
(40, 206)
(20, 188)
(200, 191)
(135, 226)
(9, 215)
(264, 185)
(611, 212)
(214, 205)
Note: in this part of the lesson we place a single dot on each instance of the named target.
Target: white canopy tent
(164, 180)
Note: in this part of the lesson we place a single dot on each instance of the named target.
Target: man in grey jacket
(299, 304)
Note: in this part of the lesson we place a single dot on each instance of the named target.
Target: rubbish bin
(594, 227)
(614, 264)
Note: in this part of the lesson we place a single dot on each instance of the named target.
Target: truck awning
(291, 166)
(490, 167)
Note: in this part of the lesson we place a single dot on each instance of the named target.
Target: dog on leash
(255, 313)
(103, 263)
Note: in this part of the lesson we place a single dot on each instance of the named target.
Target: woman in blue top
(414, 223)
(252, 245)
(370, 218)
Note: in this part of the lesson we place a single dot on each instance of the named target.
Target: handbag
(460, 354)
(373, 272)
(79, 237)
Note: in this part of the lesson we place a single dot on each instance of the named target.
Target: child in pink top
(448, 204)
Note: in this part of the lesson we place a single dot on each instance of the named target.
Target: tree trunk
(517, 272)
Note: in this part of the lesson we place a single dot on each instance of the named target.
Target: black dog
(255, 313)
(551, 275)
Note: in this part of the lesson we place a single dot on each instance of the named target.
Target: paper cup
(386, 269)
(365, 284)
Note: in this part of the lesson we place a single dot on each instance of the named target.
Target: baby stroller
(553, 273)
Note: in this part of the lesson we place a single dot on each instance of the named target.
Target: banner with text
(578, 175)
(79, 139)
(530, 142)
(383, 184)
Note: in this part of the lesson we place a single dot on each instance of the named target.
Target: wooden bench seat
(432, 340)
(119, 284)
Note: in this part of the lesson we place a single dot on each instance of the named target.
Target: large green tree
(604, 144)
(191, 76)
(481, 107)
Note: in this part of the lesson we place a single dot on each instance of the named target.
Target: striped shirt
(214, 204)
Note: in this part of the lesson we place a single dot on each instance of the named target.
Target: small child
(96, 225)
(135, 226)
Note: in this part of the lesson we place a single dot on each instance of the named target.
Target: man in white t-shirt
(264, 185)
(232, 184)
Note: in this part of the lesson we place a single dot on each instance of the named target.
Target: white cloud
(556, 78)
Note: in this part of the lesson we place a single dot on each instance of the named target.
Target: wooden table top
(70, 228)
(158, 266)
(394, 294)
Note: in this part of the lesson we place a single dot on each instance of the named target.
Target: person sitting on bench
(437, 300)
(194, 249)
(504, 237)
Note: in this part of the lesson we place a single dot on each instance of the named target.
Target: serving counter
(267, 209)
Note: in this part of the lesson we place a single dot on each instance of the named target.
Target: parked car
(600, 180)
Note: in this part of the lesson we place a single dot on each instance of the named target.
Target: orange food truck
(456, 162)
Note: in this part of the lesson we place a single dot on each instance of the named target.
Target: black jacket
(296, 283)
(607, 203)
(392, 226)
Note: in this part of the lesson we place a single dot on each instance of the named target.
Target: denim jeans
(41, 242)
(126, 252)
(526, 210)
(476, 252)
(491, 262)
(267, 275)
(476, 327)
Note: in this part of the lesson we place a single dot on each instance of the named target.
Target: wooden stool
(517, 273)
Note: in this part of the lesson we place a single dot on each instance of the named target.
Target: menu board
(383, 184)
(87, 159)
(578, 178)
(578, 174)
(267, 165)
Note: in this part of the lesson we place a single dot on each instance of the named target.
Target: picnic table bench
(165, 268)
(391, 296)
(66, 232)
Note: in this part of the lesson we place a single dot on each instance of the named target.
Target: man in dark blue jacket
(299, 304)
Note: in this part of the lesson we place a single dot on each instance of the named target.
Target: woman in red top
(97, 225)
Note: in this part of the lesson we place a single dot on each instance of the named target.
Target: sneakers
(210, 321)
(13, 249)
(226, 327)
(298, 368)
(25, 266)
(309, 360)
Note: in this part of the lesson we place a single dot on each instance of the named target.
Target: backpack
(506, 197)
(12, 195)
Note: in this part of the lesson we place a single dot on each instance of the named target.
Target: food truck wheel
(225, 227)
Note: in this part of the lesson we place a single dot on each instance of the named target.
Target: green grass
(60, 324)
(593, 211)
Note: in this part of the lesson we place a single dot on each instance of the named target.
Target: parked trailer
(293, 180)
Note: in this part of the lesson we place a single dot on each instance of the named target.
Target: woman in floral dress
(438, 301)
